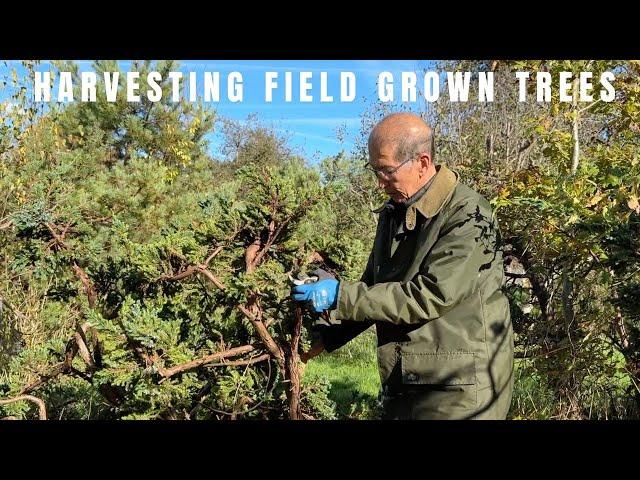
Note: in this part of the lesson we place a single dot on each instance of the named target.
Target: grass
(353, 374)
(532, 399)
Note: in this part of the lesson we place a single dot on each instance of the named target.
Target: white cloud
(327, 122)
(320, 138)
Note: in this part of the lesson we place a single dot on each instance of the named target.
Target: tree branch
(232, 352)
(58, 239)
(274, 233)
(86, 283)
(213, 254)
(251, 254)
(70, 352)
(516, 275)
(42, 410)
(211, 277)
(187, 273)
(250, 361)
(260, 327)
(81, 340)
(293, 369)
(576, 139)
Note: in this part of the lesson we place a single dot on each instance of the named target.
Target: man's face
(403, 182)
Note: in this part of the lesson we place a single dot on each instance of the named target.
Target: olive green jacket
(434, 292)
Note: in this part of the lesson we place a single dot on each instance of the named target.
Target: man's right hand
(323, 274)
(321, 295)
(315, 350)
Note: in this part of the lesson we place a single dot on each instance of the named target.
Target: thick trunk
(293, 369)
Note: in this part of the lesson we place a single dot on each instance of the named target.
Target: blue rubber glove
(322, 295)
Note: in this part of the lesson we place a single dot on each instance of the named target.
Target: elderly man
(432, 286)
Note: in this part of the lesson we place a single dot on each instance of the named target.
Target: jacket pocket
(438, 369)
(439, 385)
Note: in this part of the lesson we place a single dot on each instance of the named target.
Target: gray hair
(409, 146)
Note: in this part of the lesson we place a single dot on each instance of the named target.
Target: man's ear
(425, 160)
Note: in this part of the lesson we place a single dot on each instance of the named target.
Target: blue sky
(310, 127)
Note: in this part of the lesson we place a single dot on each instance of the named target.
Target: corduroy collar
(432, 201)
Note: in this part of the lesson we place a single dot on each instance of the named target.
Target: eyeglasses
(385, 172)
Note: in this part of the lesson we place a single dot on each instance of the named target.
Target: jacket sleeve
(449, 273)
(335, 336)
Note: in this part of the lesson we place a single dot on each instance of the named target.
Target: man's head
(401, 152)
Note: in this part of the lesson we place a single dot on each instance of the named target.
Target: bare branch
(86, 283)
(516, 275)
(170, 278)
(293, 369)
(232, 352)
(83, 350)
(211, 277)
(251, 255)
(589, 106)
(42, 410)
(260, 358)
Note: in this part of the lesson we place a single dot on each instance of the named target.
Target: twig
(213, 254)
(273, 235)
(589, 106)
(66, 228)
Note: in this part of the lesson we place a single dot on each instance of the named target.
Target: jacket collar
(432, 201)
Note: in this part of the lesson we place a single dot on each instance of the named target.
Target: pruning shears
(305, 279)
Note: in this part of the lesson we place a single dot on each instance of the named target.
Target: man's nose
(382, 182)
